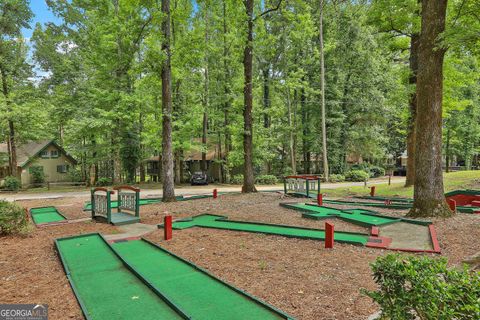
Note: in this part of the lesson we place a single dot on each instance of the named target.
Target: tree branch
(269, 10)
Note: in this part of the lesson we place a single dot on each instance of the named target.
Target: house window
(44, 154)
(54, 154)
(63, 168)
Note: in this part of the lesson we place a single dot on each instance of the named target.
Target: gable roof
(26, 152)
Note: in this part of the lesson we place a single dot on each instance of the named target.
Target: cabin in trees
(45, 156)
(190, 163)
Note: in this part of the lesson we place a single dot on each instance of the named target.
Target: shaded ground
(298, 276)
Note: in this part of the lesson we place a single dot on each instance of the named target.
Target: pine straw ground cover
(298, 276)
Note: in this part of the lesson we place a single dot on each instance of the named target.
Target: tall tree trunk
(12, 155)
(203, 164)
(322, 92)
(293, 162)
(414, 42)
(248, 177)
(226, 91)
(429, 197)
(306, 132)
(166, 75)
(266, 97)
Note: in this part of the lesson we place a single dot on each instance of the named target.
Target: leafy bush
(413, 287)
(266, 179)
(337, 178)
(103, 182)
(357, 175)
(75, 175)
(12, 183)
(237, 179)
(37, 175)
(13, 218)
(376, 171)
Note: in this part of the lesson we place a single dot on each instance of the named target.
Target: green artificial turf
(199, 295)
(220, 222)
(46, 215)
(402, 205)
(356, 216)
(105, 287)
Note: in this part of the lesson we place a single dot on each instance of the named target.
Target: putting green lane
(220, 222)
(357, 216)
(106, 288)
(46, 215)
(199, 295)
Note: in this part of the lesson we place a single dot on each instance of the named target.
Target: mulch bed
(297, 276)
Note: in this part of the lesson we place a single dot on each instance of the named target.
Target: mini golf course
(387, 232)
(401, 205)
(365, 218)
(222, 222)
(45, 215)
(139, 280)
(466, 200)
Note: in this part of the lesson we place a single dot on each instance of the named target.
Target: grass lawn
(452, 181)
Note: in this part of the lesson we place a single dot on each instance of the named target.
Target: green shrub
(237, 179)
(412, 287)
(266, 179)
(37, 174)
(357, 175)
(103, 182)
(75, 175)
(13, 218)
(376, 171)
(12, 183)
(337, 178)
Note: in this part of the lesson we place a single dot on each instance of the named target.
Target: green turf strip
(46, 215)
(220, 222)
(356, 216)
(402, 206)
(199, 295)
(105, 287)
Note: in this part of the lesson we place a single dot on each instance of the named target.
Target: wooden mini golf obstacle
(128, 205)
(301, 185)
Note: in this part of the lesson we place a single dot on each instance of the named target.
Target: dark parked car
(199, 178)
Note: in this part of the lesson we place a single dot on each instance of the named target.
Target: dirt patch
(297, 276)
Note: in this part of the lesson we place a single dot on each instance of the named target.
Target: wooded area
(274, 87)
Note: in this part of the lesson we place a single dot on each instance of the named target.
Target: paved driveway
(150, 193)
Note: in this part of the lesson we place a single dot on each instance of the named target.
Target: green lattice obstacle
(302, 185)
(140, 280)
(128, 205)
(46, 215)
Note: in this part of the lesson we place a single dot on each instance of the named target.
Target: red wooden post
(452, 204)
(372, 191)
(167, 227)
(320, 199)
(329, 232)
(215, 194)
